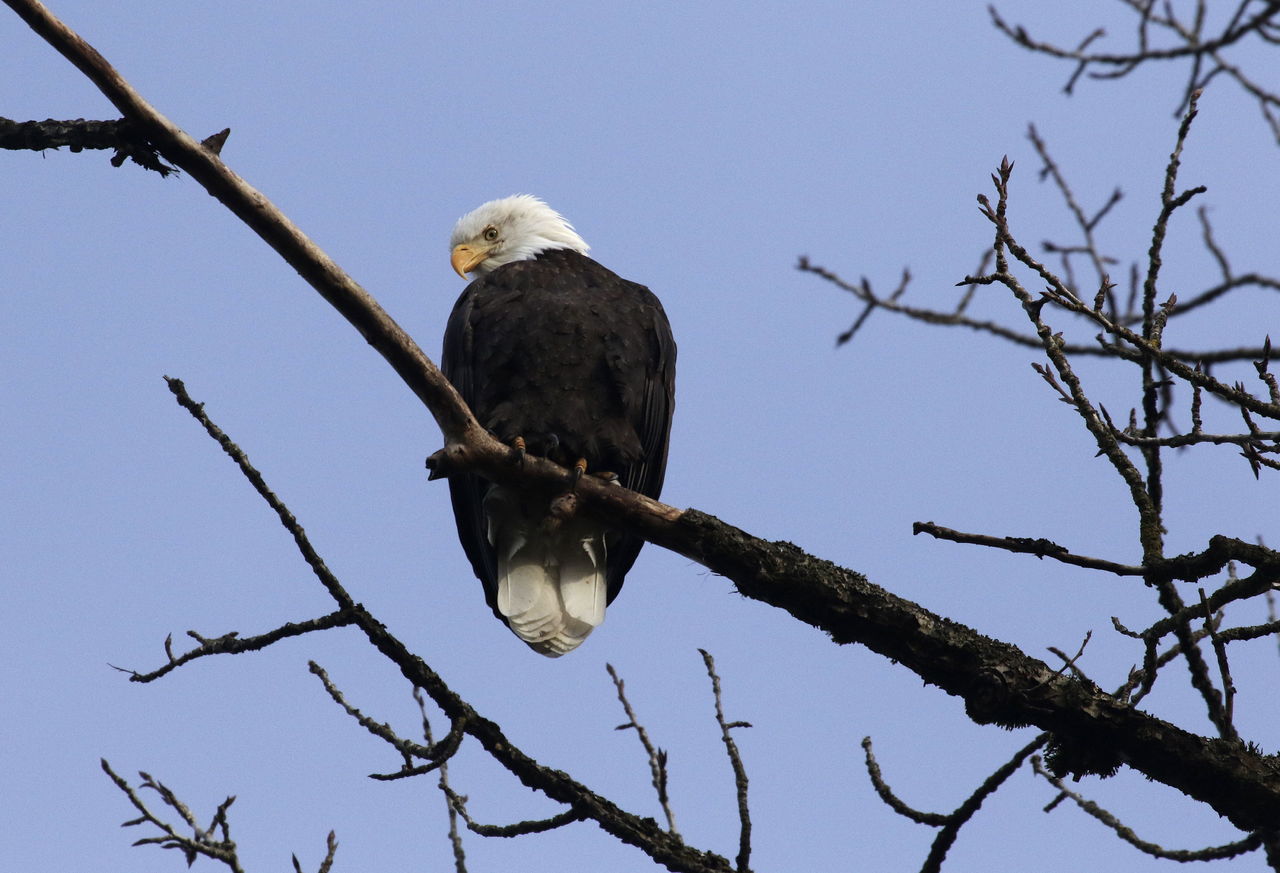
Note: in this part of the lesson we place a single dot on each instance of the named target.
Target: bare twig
(533, 826)
(584, 804)
(1204, 54)
(946, 837)
(455, 837)
(1128, 62)
(233, 644)
(951, 822)
(933, 819)
(1038, 546)
(436, 754)
(864, 292)
(1085, 223)
(657, 757)
(203, 841)
(735, 760)
(331, 849)
(1070, 662)
(1254, 632)
(1150, 529)
(1213, 853)
(1227, 727)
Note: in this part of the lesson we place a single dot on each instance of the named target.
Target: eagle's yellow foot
(518, 451)
(564, 506)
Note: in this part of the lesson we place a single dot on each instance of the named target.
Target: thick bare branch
(79, 134)
(998, 682)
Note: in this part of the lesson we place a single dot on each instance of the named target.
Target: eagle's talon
(518, 451)
(575, 476)
(560, 510)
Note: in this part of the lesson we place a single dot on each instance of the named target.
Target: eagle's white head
(511, 229)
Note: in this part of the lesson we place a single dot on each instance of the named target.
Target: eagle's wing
(650, 401)
(467, 490)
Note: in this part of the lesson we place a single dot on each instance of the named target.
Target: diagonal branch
(233, 644)
(998, 682)
(643, 833)
(264, 218)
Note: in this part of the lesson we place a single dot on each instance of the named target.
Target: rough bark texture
(998, 682)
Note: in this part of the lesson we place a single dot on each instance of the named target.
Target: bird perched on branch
(558, 356)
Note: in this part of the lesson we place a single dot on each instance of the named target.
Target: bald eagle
(558, 355)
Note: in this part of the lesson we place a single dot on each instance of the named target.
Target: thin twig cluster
(1200, 37)
(1129, 328)
(416, 758)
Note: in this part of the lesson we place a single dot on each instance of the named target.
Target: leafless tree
(1085, 730)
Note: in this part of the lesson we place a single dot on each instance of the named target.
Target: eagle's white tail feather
(552, 585)
(583, 588)
(567, 640)
(527, 596)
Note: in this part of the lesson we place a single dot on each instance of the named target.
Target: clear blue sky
(699, 148)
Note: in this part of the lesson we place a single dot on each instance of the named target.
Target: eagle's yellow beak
(466, 258)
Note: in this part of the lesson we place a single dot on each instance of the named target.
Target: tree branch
(657, 757)
(1038, 546)
(1213, 853)
(80, 134)
(998, 682)
(233, 644)
(735, 761)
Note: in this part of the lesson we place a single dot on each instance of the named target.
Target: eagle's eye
(490, 233)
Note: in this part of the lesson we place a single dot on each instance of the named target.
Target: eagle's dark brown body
(579, 362)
